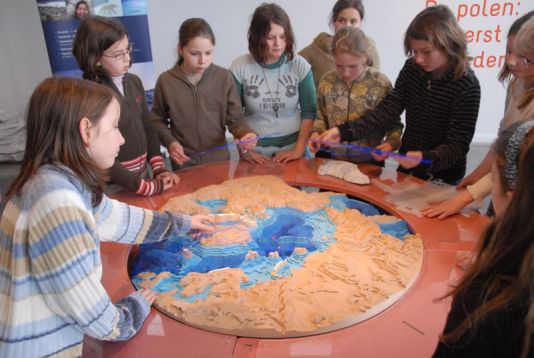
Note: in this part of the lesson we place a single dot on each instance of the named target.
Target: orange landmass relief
(363, 272)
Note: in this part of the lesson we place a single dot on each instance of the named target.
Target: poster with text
(60, 20)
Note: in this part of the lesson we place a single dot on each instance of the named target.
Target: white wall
(385, 22)
(23, 61)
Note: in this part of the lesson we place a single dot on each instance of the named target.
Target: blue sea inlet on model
(282, 231)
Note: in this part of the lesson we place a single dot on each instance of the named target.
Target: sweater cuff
(183, 223)
(345, 133)
(148, 187)
(144, 307)
(158, 165)
(134, 309)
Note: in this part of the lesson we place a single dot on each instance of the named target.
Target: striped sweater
(50, 268)
(441, 115)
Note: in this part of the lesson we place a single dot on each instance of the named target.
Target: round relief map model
(281, 263)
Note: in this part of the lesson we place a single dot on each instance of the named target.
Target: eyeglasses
(121, 55)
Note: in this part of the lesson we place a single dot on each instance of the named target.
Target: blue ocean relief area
(274, 240)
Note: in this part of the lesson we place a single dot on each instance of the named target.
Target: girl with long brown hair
(55, 217)
(276, 87)
(492, 313)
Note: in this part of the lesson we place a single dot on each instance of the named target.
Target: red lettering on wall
(485, 8)
(486, 35)
(483, 60)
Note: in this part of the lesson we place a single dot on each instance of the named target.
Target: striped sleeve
(459, 129)
(66, 267)
(149, 187)
(120, 175)
(124, 223)
(158, 165)
(50, 266)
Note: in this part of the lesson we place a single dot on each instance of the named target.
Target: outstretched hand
(203, 223)
(248, 141)
(169, 179)
(385, 148)
(331, 136)
(410, 160)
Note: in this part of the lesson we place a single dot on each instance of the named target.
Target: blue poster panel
(60, 19)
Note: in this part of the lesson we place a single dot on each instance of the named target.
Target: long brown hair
(52, 120)
(504, 266)
(437, 25)
(505, 73)
(259, 28)
(94, 36)
(191, 28)
(524, 45)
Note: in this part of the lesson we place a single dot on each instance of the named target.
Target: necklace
(276, 105)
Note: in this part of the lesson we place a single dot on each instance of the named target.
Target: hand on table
(254, 157)
(287, 155)
(448, 207)
(169, 179)
(177, 154)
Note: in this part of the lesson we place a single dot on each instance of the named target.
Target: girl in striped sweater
(54, 219)
(440, 95)
(103, 51)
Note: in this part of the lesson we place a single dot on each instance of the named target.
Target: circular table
(409, 328)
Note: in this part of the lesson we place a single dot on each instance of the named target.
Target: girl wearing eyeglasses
(103, 52)
(439, 93)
